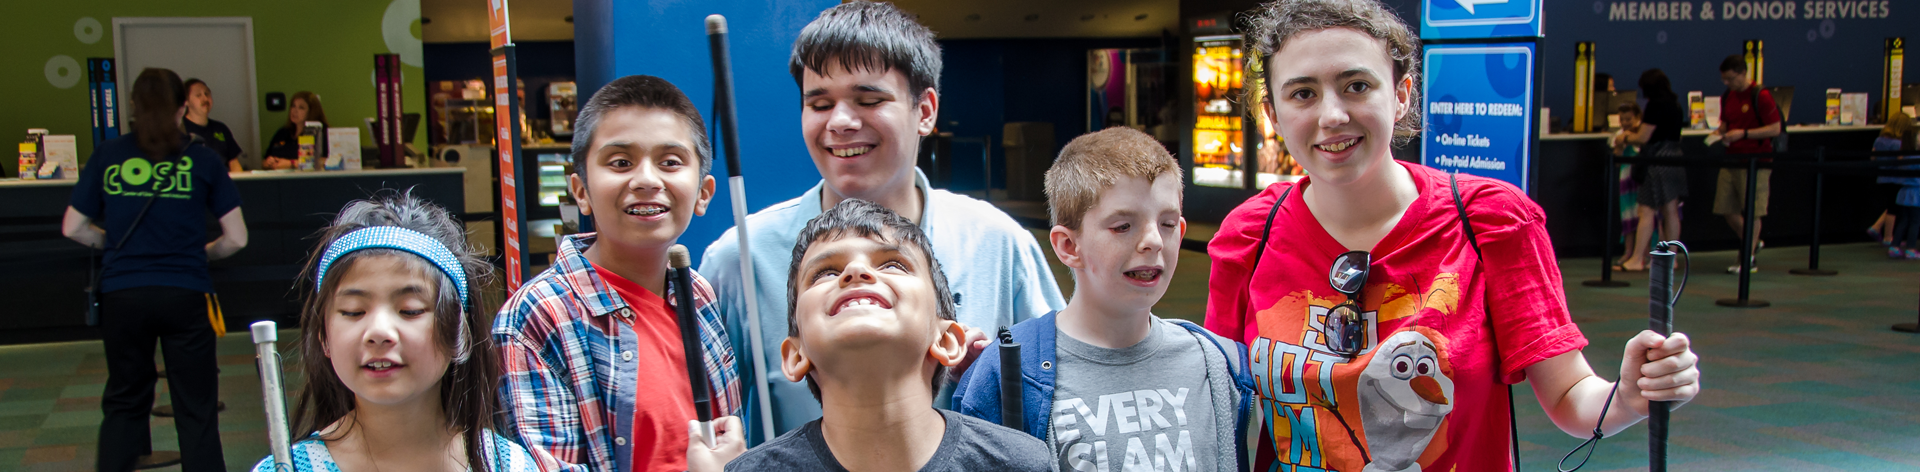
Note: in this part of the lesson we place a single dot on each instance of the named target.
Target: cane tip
(677, 257)
(265, 332)
(716, 24)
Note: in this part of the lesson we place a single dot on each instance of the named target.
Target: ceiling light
(1033, 17)
(1140, 17)
(1086, 17)
(973, 17)
(569, 18)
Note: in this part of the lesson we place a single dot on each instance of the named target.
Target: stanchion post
(1908, 327)
(1819, 191)
(1611, 176)
(1746, 244)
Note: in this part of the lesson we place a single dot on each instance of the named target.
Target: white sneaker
(1735, 269)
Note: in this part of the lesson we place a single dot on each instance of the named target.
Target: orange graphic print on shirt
(1386, 408)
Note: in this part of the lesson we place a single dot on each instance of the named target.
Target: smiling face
(380, 330)
(863, 128)
(863, 305)
(1121, 256)
(1335, 100)
(642, 182)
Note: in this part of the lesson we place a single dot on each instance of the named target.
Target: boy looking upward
(871, 333)
(596, 376)
(1110, 386)
(868, 76)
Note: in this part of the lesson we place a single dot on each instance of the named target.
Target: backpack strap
(1265, 231)
(1513, 421)
(1236, 360)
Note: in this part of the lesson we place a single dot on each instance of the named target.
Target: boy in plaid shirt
(596, 377)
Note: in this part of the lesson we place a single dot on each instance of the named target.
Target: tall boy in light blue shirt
(868, 75)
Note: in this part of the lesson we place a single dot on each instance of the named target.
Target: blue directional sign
(1480, 110)
(1457, 19)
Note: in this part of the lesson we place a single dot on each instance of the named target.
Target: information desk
(1573, 193)
(44, 273)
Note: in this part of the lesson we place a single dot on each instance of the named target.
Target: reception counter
(1571, 189)
(44, 273)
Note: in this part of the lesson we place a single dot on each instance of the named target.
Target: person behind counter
(142, 197)
(285, 147)
(212, 132)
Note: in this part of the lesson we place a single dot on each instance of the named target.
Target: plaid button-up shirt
(570, 383)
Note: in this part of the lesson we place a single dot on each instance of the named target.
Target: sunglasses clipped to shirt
(1345, 331)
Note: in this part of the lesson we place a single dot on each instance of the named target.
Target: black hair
(1628, 108)
(864, 219)
(870, 36)
(468, 390)
(1600, 80)
(644, 91)
(1734, 63)
(1654, 85)
(196, 81)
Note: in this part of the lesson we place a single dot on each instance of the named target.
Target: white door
(218, 51)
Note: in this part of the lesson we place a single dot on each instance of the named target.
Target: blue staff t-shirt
(169, 246)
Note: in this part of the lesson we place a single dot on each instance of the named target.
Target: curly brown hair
(1272, 24)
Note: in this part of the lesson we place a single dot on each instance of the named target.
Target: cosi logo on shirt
(220, 136)
(139, 178)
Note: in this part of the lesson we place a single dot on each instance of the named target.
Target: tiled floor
(1815, 383)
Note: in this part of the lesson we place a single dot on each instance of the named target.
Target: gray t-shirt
(969, 444)
(1143, 407)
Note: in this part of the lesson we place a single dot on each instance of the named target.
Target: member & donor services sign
(1480, 110)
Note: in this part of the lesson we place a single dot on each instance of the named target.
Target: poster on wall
(1457, 19)
(1479, 102)
(1217, 128)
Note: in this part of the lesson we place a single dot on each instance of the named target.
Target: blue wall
(668, 39)
(990, 82)
(1810, 55)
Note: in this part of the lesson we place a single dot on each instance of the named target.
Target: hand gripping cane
(1660, 301)
(728, 118)
(267, 359)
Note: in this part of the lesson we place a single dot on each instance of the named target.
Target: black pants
(130, 321)
(1906, 227)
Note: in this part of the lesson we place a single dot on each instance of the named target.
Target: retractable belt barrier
(1816, 162)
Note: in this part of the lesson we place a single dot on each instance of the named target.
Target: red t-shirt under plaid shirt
(1446, 331)
(661, 414)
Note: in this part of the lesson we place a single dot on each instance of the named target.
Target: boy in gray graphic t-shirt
(1108, 385)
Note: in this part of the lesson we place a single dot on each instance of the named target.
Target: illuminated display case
(1276, 164)
(1218, 138)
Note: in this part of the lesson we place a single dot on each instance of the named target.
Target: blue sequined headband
(394, 237)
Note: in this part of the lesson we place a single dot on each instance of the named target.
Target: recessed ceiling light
(1140, 17)
(569, 18)
(1033, 17)
(1086, 17)
(973, 17)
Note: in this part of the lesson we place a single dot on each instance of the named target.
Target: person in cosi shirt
(1442, 337)
(212, 133)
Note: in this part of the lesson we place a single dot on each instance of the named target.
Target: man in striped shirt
(596, 376)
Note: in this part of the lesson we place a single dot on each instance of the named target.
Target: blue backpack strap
(1242, 383)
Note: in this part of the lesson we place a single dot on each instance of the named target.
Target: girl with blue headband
(399, 373)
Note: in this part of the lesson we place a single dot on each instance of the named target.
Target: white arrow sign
(1469, 4)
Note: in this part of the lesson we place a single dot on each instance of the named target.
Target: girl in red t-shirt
(1438, 325)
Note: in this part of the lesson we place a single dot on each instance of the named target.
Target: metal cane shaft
(728, 119)
(1660, 320)
(267, 358)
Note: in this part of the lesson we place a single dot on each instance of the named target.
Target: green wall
(326, 47)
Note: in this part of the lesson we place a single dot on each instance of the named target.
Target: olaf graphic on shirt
(1383, 410)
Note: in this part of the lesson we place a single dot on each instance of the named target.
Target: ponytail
(157, 98)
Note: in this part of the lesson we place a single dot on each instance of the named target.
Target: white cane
(267, 358)
(737, 188)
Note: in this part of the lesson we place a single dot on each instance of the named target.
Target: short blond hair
(1094, 161)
